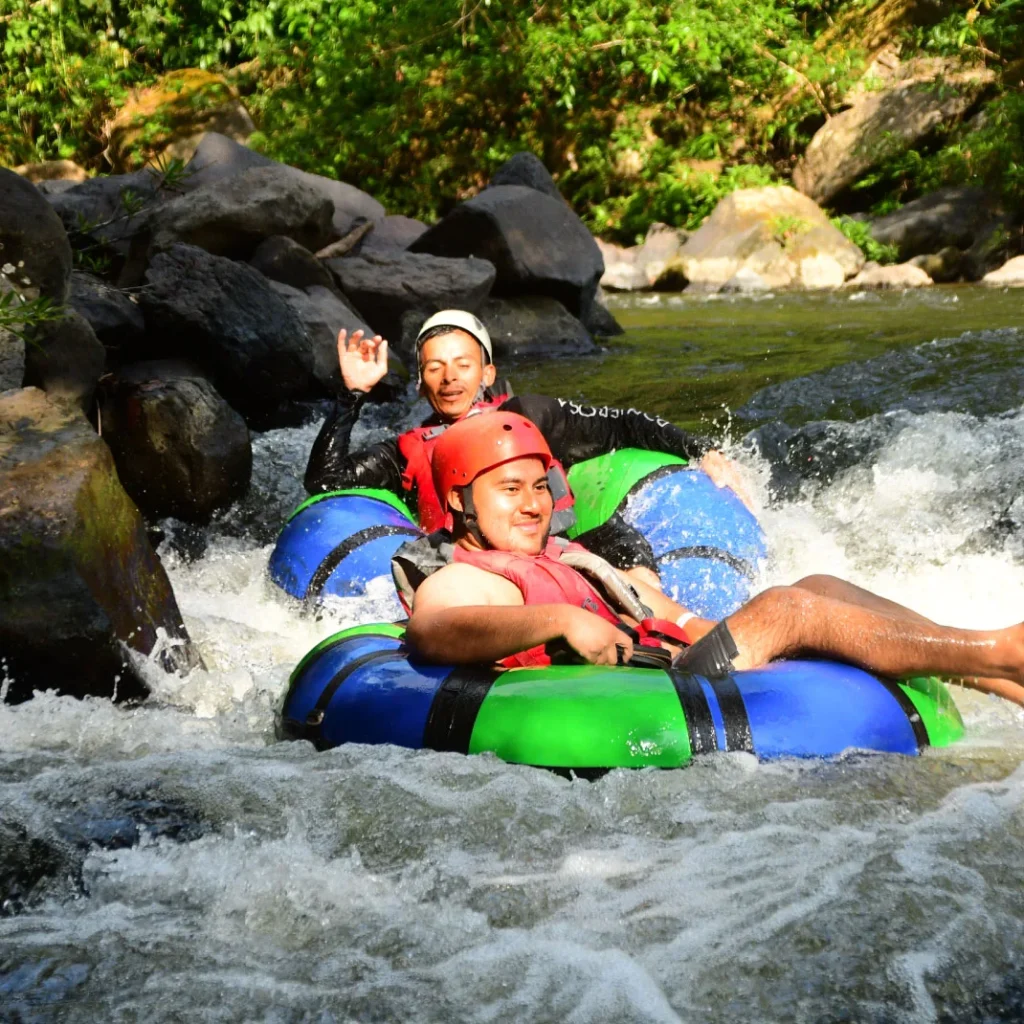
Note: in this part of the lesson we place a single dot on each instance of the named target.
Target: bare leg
(850, 593)
(789, 621)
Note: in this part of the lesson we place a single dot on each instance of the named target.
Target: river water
(171, 862)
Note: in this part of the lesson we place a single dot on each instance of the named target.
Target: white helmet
(458, 318)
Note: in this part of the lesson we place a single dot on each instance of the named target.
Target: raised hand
(363, 361)
(723, 473)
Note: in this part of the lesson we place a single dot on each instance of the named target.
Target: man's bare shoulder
(459, 585)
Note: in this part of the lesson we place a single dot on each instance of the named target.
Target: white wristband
(685, 618)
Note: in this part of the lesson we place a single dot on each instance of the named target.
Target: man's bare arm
(463, 615)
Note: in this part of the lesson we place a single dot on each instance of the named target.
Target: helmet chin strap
(469, 519)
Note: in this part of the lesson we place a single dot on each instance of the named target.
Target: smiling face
(451, 371)
(513, 506)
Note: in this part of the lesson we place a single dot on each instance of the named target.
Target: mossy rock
(168, 119)
(79, 581)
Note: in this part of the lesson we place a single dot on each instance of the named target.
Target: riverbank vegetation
(643, 110)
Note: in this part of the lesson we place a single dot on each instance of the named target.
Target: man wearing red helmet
(508, 591)
(458, 379)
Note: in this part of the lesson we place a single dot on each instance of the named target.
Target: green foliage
(419, 102)
(19, 316)
(859, 232)
(643, 110)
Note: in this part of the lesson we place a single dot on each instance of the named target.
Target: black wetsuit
(574, 432)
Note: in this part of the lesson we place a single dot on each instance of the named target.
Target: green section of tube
(600, 485)
(371, 628)
(938, 712)
(388, 497)
(583, 716)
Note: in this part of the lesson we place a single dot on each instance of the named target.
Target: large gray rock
(116, 320)
(33, 242)
(640, 266)
(180, 449)
(527, 170)
(537, 245)
(534, 325)
(227, 318)
(231, 217)
(394, 233)
(108, 209)
(218, 157)
(776, 233)
(65, 359)
(383, 288)
(882, 124)
(281, 259)
(79, 580)
(947, 217)
(323, 314)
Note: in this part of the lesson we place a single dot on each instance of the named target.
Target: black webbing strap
(699, 724)
(908, 708)
(741, 565)
(339, 553)
(455, 707)
(734, 715)
(658, 474)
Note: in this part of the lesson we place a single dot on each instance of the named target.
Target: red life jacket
(542, 579)
(416, 447)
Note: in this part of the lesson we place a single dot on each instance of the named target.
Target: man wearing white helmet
(457, 376)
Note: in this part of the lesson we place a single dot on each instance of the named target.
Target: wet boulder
(537, 245)
(116, 320)
(527, 170)
(217, 157)
(385, 287)
(280, 258)
(600, 321)
(231, 217)
(323, 314)
(79, 581)
(35, 255)
(771, 232)
(65, 359)
(534, 325)
(179, 448)
(227, 318)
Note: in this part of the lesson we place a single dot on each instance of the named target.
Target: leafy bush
(859, 232)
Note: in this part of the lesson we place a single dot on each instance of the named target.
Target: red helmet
(478, 443)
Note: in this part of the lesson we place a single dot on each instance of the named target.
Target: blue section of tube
(688, 521)
(820, 709)
(380, 702)
(310, 537)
